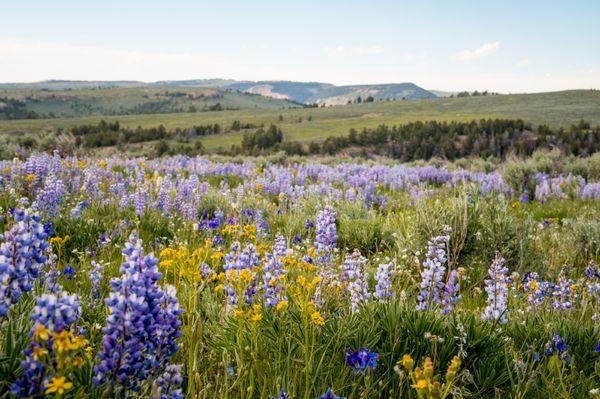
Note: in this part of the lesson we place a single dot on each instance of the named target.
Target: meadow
(187, 277)
(557, 109)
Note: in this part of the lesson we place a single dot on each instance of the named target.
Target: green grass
(555, 109)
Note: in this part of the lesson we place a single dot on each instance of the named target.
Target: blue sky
(505, 46)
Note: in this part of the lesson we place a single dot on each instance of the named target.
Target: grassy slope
(556, 109)
(86, 102)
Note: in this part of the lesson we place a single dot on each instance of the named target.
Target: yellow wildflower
(317, 319)
(58, 385)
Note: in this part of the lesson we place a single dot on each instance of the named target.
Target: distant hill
(79, 99)
(300, 92)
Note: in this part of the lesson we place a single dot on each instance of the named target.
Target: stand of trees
(484, 138)
(11, 108)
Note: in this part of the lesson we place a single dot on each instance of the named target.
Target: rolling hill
(299, 92)
(307, 124)
(107, 100)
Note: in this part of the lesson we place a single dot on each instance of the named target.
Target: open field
(184, 277)
(555, 109)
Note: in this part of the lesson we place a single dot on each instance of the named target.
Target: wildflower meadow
(186, 277)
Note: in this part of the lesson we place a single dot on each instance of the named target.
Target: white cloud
(482, 51)
(32, 61)
(355, 51)
(524, 62)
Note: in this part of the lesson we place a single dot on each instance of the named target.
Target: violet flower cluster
(353, 273)
(496, 287)
(361, 360)
(23, 255)
(142, 326)
(52, 314)
(383, 287)
(326, 234)
(272, 272)
(433, 273)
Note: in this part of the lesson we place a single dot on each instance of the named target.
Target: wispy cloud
(482, 51)
(359, 50)
(524, 62)
(24, 60)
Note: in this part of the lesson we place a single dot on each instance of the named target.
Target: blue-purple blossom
(361, 360)
(451, 292)
(142, 325)
(353, 273)
(433, 273)
(272, 274)
(56, 312)
(383, 287)
(23, 255)
(496, 287)
(326, 234)
(330, 395)
(559, 346)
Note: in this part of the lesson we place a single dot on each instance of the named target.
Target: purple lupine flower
(330, 395)
(451, 292)
(496, 288)
(22, 257)
(169, 383)
(563, 296)
(537, 289)
(272, 272)
(434, 270)
(280, 246)
(282, 395)
(143, 323)
(353, 272)
(361, 359)
(56, 312)
(326, 235)
(559, 346)
(235, 261)
(383, 287)
(95, 281)
(50, 197)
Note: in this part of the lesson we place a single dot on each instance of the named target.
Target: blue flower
(496, 288)
(69, 271)
(434, 271)
(598, 347)
(282, 395)
(361, 359)
(142, 325)
(558, 345)
(330, 395)
(23, 255)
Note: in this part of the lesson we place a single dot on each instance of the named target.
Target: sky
(504, 46)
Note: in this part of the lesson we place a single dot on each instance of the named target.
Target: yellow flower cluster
(183, 263)
(425, 382)
(61, 353)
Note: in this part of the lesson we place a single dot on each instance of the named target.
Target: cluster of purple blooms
(142, 325)
(437, 289)
(50, 197)
(496, 287)
(354, 274)
(272, 272)
(361, 360)
(383, 287)
(23, 256)
(326, 234)
(557, 345)
(56, 312)
(330, 395)
(236, 261)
